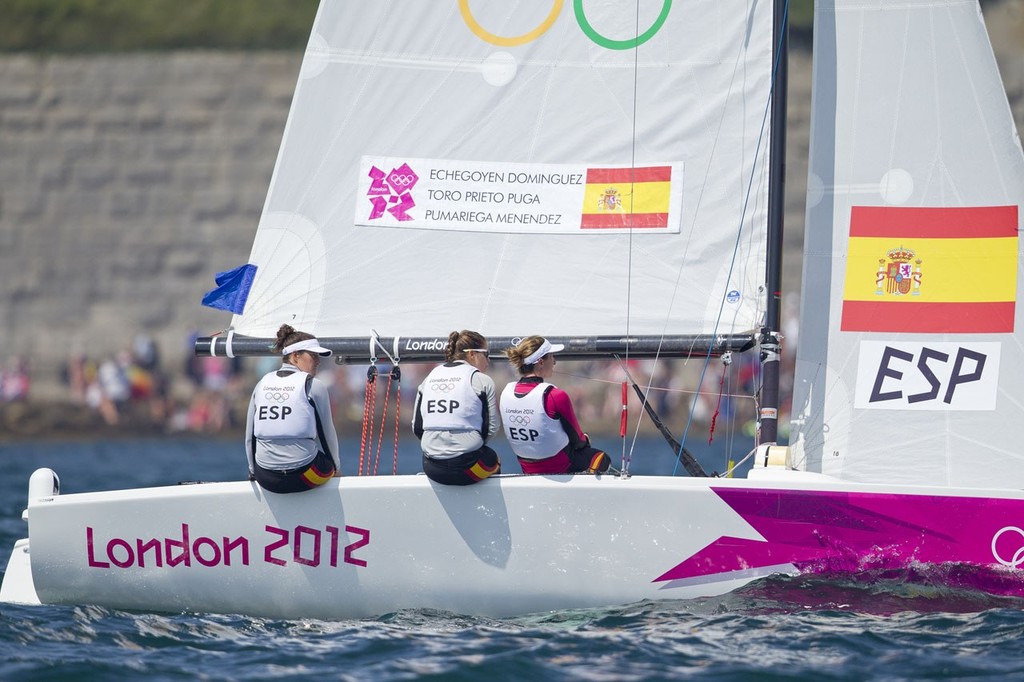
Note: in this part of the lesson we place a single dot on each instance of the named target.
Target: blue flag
(232, 289)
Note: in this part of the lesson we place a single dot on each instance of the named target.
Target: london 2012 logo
(392, 192)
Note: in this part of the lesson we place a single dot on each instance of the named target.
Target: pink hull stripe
(833, 532)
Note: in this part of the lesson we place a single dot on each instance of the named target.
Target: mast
(768, 419)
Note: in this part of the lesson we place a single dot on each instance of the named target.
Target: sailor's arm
(322, 405)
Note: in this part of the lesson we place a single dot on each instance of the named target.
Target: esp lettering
(522, 433)
(273, 412)
(929, 364)
(442, 406)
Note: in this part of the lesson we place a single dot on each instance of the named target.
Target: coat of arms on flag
(897, 275)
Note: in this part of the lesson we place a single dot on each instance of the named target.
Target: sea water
(888, 625)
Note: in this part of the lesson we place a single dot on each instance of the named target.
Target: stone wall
(126, 182)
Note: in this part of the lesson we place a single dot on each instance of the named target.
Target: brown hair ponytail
(460, 342)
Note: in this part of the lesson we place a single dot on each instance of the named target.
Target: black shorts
(588, 459)
(314, 474)
(471, 467)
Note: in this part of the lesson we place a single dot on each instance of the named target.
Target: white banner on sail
(475, 196)
(938, 375)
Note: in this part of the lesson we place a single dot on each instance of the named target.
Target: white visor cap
(545, 348)
(312, 345)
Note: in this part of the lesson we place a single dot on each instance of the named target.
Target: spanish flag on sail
(626, 197)
(931, 270)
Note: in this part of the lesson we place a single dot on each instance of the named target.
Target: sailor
(539, 420)
(456, 414)
(290, 438)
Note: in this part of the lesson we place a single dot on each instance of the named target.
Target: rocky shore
(20, 421)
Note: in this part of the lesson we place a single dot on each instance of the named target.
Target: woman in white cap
(456, 414)
(539, 420)
(290, 437)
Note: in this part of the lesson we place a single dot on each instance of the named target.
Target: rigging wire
(656, 389)
(624, 459)
(689, 461)
(733, 467)
(743, 213)
(732, 265)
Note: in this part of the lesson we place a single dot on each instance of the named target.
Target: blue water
(886, 626)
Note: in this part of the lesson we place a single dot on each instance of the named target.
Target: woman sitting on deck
(290, 438)
(539, 419)
(457, 413)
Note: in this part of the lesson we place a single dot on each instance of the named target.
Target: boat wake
(921, 588)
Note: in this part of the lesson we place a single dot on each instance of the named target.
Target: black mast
(768, 419)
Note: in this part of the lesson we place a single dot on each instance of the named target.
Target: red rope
(369, 461)
(625, 403)
(369, 407)
(398, 411)
(718, 405)
(380, 437)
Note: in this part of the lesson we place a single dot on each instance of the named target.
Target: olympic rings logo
(401, 180)
(549, 20)
(1018, 554)
(277, 397)
(442, 388)
(520, 419)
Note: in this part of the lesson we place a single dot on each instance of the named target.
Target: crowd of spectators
(135, 388)
(14, 380)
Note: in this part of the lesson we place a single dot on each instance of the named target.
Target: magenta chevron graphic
(829, 531)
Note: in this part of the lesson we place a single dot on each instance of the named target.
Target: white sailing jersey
(448, 401)
(528, 428)
(282, 408)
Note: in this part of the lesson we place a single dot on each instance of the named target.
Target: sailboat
(609, 175)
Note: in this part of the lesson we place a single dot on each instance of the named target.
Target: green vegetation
(69, 26)
(48, 26)
(801, 16)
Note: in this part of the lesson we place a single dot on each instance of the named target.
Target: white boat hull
(511, 545)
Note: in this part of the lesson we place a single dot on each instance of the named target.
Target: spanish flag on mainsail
(931, 270)
(626, 197)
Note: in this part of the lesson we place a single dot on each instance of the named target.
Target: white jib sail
(521, 167)
(909, 363)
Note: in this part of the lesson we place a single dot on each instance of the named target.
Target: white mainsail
(909, 364)
(506, 107)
